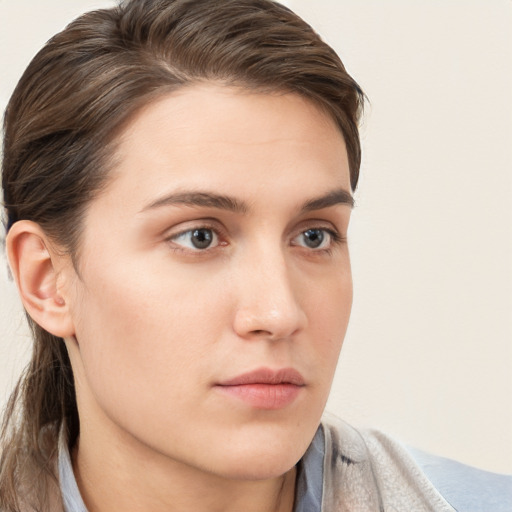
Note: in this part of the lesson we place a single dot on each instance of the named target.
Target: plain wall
(428, 354)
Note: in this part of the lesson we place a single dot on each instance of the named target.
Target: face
(215, 286)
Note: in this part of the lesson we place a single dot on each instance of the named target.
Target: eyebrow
(339, 196)
(205, 199)
(223, 202)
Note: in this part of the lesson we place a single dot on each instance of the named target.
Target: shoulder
(407, 479)
(366, 470)
(468, 488)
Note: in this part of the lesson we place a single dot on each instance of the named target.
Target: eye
(196, 239)
(315, 238)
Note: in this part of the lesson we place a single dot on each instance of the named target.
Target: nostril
(260, 331)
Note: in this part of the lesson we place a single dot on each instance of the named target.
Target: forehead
(239, 141)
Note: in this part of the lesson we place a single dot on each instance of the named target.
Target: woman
(178, 180)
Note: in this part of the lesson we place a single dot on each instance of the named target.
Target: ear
(37, 272)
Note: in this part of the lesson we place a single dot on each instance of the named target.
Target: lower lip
(264, 396)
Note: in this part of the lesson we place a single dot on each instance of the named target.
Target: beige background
(428, 355)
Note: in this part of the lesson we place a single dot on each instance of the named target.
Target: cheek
(330, 307)
(144, 336)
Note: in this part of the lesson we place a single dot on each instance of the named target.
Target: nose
(267, 302)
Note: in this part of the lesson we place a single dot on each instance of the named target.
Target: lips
(265, 388)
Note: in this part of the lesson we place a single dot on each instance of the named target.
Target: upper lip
(266, 376)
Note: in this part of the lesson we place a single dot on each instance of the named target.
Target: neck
(133, 478)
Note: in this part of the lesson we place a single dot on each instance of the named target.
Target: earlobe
(35, 270)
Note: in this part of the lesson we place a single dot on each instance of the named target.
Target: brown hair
(59, 136)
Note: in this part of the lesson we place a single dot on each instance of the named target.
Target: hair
(60, 132)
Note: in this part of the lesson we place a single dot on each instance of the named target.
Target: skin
(154, 324)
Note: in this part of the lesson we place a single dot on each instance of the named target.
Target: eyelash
(334, 236)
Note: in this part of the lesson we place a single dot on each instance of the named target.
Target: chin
(260, 456)
(261, 466)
